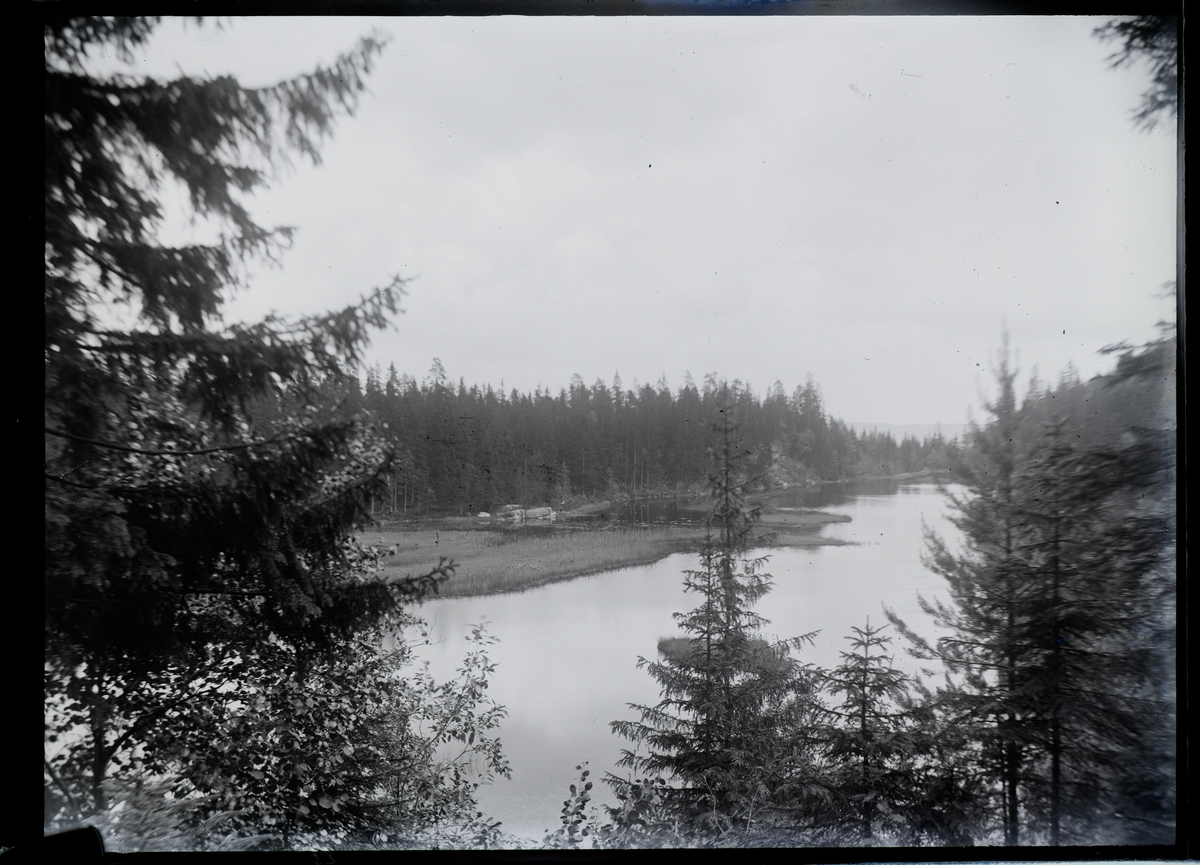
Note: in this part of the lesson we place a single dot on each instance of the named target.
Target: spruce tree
(871, 745)
(1058, 615)
(990, 602)
(1096, 572)
(181, 522)
(730, 729)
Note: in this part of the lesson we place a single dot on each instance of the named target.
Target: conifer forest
(232, 663)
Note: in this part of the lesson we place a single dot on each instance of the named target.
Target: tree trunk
(98, 727)
(1055, 781)
(1012, 828)
(633, 475)
(866, 785)
(1011, 753)
(1055, 684)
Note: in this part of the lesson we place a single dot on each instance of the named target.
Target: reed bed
(504, 561)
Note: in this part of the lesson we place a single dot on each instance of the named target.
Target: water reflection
(844, 492)
(822, 496)
(567, 656)
(643, 511)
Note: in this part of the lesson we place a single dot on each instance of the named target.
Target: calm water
(567, 651)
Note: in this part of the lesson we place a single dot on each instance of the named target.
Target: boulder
(484, 515)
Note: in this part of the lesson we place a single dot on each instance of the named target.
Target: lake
(568, 651)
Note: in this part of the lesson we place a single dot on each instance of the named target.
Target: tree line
(467, 449)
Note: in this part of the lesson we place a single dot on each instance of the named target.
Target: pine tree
(729, 730)
(181, 521)
(1058, 617)
(947, 789)
(1094, 565)
(870, 743)
(990, 603)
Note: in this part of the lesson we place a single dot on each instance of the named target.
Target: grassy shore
(505, 561)
(491, 560)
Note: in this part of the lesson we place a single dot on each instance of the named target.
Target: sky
(870, 201)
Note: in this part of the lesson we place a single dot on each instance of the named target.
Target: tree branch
(147, 452)
(58, 782)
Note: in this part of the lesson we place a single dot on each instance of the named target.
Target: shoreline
(649, 559)
(494, 560)
(559, 577)
(493, 556)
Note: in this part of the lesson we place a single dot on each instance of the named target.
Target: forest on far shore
(467, 449)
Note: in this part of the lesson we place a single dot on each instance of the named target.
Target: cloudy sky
(869, 200)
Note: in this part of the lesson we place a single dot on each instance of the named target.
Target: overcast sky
(869, 200)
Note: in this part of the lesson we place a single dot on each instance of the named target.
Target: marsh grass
(491, 558)
(504, 561)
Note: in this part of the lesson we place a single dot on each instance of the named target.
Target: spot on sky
(865, 229)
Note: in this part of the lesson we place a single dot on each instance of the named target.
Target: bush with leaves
(640, 818)
(269, 747)
(578, 817)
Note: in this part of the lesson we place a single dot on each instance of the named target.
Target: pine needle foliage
(1060, 627)
(1153, 39)
(1094, 554)
(729, 733)
(871, 743)
(990, 601)
(185, 524)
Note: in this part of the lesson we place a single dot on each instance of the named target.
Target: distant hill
(916, 430)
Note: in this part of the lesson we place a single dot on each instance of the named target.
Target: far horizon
(948, 430)
(916, 430)
(872, 200)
